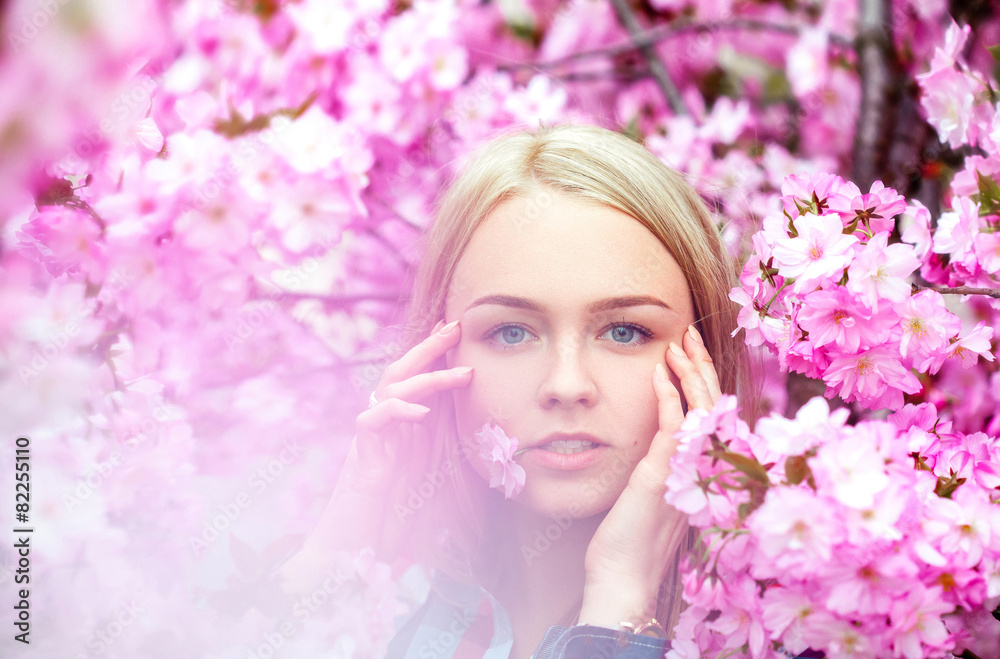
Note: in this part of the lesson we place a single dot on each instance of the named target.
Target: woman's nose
(567, 380)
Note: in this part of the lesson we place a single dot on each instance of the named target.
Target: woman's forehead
(559, 249)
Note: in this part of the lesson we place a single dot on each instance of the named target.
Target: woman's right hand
(389, 454)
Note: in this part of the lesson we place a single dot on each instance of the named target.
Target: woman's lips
(565, 461)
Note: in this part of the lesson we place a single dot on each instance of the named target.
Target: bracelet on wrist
(650, 628)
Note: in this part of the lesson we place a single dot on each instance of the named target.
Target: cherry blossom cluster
(878, 539)
(827, 292)
(208, 216)
(962, 248)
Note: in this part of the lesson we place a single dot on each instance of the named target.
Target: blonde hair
(598, 165)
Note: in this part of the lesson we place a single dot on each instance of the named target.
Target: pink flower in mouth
(496, 449)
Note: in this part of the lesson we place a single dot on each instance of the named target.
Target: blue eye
(507, 336)
(511, 335)
(627, 331)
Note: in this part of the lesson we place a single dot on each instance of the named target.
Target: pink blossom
(916, 221)
(957, 228)
(954, 42)
(785, 611)
(987, 249)
(801, 195)
(497, 450)
(881, 270)
(814, 424)
(926, 326)
(539, 101)
(795, 528)
(948, 98)
(806, 62)
(876, 377)
(820, 251)
(974, 344)
(850, 470)
(839, 318)
(874, 210)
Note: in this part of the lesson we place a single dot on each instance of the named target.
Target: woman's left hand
(634, 545)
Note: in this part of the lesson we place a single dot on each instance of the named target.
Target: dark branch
(628, 19)
(960, 290)
(662, 33)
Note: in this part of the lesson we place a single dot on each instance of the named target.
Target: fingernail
(660, 372)
(420, 409)
(695, 335)
(448, 328)
(461, 370)
(438, 326)
(676, 349)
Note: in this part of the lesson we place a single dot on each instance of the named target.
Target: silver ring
(372, 401)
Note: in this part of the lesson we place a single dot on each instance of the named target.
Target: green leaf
(748, 466)
(994, 51)
(989, 194)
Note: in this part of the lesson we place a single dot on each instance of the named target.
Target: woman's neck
(541, 566)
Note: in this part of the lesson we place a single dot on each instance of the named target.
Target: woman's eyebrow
(606, 304)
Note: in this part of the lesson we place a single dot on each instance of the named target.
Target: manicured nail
(419, 409)
(695, 335)
(660, 373)
(461, 370)
(438, 325)
(448, 328)
(676, 349)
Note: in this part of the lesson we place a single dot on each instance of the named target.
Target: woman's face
(566, 306)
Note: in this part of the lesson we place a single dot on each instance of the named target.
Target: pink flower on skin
(496, 449)
(820, 251)
(880, 271)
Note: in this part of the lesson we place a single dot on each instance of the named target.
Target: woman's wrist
(608, 605)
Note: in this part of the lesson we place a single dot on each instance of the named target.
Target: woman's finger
(371, 426)
(420, 357)
(694, 346)
(422, 385)
(670, 414)
(693, 385)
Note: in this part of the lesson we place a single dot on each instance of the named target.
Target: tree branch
(655, 35)
(875, 56)
(628, 19)
(960, 290)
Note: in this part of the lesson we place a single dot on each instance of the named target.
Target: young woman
(572, 288)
